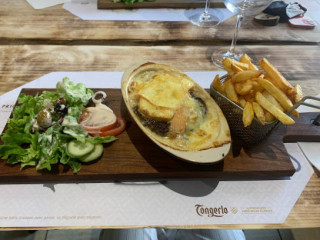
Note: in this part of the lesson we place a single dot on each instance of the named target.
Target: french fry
(229, 70)
(230, 91)
(282, 117)
(245, 81)
(246, 59)
(269, 117)
(259, 112)
(295, 113)
(227, 78)
(245, 75)
(282, 98)
(217, 85)
(267, 76)
(275, 76)
(299, 94)
(235, 68)
(226, 62)
(249, 97)
(295, 94)
(271, 99)
(243, 88)
(242, 101)
(244, 66)
(248, 114)
(256, 87)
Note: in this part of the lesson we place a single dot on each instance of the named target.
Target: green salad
(44, 129)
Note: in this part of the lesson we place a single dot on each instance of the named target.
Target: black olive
(61, 108)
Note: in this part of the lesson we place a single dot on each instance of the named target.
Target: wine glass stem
(235, 36)
(206, 9)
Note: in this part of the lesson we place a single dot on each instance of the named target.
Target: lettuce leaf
(75, 94)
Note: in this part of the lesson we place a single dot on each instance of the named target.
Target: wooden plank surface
(135, 157)
(299, 64)
(56, 24)
(21, 63)
(109, 4)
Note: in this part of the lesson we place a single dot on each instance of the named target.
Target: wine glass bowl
(246, 7)
(242, 8)
(204, 19)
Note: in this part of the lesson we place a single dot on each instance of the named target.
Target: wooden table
(20, 23)
(37, 42)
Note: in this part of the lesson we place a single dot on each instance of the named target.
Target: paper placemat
(174, 203)
(87, 10)
(40, 4)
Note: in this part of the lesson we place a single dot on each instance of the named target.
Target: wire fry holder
(251, 134)
(302, 102)
(256, 132)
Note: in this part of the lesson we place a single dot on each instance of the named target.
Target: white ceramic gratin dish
(210, 155)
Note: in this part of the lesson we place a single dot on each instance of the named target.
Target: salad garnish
(100, 119)
(45, 129)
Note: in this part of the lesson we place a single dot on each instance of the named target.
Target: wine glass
(243, 8)
(204, 19)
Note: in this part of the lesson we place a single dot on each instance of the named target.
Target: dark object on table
(316, 121)
(285, 11)
(277, 8)
(266, 19)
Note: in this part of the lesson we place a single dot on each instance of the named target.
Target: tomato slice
(100, 129)
(119, 128)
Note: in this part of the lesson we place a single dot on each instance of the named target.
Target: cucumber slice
(96, 153)
(78, 149)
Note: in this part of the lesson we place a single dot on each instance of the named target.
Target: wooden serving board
(185, 4)
(135, 157)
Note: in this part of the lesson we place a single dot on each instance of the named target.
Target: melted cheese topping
(165, 90)
(153, 111)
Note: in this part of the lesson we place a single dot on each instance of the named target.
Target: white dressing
(98, 116)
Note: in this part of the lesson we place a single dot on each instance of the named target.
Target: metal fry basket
(256, 132)
(233, 113)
